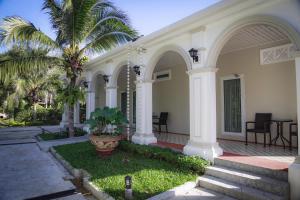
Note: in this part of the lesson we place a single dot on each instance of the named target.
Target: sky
(146, 16)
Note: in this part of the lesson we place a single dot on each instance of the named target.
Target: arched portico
(158, 55)
(227, 33)
(169, 58)
(282, 73)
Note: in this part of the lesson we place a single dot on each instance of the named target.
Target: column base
(63, 124)
(294, 180)
(204, 150)
(146, 139)
(86, 128)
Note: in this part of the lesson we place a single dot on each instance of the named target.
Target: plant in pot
(105, 125)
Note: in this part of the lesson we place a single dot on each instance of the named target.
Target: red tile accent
(255, 161)
(245, 159)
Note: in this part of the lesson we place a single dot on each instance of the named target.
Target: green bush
(61, 135)
(193, 163)
(44, 116)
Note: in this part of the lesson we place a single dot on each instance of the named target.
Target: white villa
(246, 61)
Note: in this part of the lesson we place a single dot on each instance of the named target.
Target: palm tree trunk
(71, 122)
(71, 112)
(34, 111)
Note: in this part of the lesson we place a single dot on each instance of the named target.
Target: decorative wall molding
(277, 54)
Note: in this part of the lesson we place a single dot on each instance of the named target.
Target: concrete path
(27, 172)
(45, 145)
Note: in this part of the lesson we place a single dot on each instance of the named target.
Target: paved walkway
(28, 172)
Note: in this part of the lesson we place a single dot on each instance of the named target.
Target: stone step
(275, 174)
(190, 191)
(235, 190)
(249, 179)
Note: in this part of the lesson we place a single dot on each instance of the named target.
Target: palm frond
(16, 30)
(12, 63)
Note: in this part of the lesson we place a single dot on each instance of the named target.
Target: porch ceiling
(253, 36)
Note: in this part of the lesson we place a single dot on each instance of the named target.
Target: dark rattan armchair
(162, 120)
(262, 125)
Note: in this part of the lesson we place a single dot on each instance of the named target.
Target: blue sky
(146, 16)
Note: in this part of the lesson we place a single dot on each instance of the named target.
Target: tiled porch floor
(275, 153)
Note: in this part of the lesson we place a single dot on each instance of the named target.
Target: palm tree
(81, 27)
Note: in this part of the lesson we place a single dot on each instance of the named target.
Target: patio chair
(293, 132)
(162, 120)
(262, 125)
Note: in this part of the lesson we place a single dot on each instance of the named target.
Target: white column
(111, 97)
(203, 137)
(294, 168)
(90, 100)
(77, 113)
(64, 118)
(144, 134)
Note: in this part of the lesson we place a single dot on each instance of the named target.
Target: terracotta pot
(105, 144)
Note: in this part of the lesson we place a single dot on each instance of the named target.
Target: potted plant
(105, 128)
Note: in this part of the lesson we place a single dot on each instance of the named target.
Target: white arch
(228, 32)
(159, 54)
(113, 82)
(94, 78)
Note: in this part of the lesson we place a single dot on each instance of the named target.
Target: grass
(150, 176)
(61, 135)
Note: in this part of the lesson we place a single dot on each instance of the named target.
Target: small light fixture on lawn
(105, 78)
(136, 69)
(128, 189)
(85, 84)
(194, 54)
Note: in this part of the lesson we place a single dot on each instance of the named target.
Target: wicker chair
(293, 132)
(262, 125)
(162, 120)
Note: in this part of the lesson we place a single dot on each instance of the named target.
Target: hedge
(193, 163)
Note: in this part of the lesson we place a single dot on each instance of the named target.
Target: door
(232, 105)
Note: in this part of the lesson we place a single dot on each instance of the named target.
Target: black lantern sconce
(136, 69)
(194, 54)
(85, 84)
(106, 78)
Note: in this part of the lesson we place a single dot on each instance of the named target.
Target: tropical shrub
(106, 121)
(193, 163)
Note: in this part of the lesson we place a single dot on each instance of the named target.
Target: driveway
(26, 172)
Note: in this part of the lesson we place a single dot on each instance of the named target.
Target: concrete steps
(242, 181)
(276, 174)
(249, 179)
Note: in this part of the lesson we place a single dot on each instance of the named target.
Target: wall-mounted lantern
(194, 54)
(85, 84)
(136, 69)
(106, 78)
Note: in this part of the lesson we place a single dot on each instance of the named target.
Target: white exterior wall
(208, 31)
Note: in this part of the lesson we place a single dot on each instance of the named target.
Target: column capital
(297, 54)
(111, 87)
(143, 82)
(202, 70)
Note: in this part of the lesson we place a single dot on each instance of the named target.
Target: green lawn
(150, 176)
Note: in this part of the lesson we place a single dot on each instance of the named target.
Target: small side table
(279, 126)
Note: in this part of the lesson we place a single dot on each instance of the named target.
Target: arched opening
(170, 94)
(122, 93)
(100, 93)
(256, 74)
